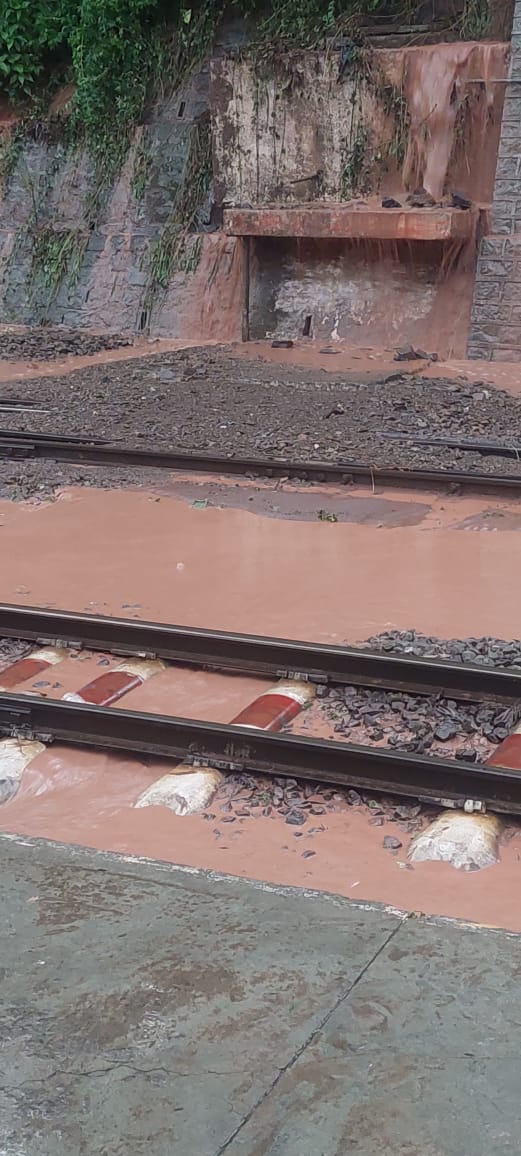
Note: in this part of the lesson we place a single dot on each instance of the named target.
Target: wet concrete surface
(148, 1010)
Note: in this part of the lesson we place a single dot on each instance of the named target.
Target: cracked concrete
(150, 1009)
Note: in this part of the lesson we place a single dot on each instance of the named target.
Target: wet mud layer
(46, 343)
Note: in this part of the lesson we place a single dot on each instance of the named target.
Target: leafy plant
(179, 247)
(57, 255)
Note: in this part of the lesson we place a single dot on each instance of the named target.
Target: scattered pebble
(11, 649)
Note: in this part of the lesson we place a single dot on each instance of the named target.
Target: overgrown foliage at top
(109, 49)
(113, 49)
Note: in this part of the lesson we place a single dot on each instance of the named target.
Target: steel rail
(244, 748)
(13, 446)
(250, 654)
(475, 445)
(21, 437)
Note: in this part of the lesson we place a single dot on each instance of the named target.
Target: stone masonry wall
(48, 192)
(495, 331)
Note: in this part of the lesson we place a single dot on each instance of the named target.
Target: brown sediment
(30, 368)
(73, 796)
(363, 363)
(375, 362)
(127, 553)
(227, 569)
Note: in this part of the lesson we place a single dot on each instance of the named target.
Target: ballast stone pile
(488, 651)
(426, 724)
(11, 649)
(46, 344)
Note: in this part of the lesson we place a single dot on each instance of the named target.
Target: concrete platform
(343, 221)
(147, 1009)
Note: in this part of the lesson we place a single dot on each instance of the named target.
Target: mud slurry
(414, 723)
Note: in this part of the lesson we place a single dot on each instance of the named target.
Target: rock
(408, 353)
(445, 731)
(279, 344)
(390, 203)
(354, 798)
(392, 843)
(460, 201)
(295, 818)
(407, 810)
(421, 199)
(405, 353)
(466, 756)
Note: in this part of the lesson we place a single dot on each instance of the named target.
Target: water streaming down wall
(273, 143)
(368, 291)
(455, 104)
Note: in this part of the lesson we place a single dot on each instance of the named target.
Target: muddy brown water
(145, 555)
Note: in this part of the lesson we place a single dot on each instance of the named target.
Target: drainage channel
(19, 445)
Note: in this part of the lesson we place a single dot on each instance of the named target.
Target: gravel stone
(208, 400)
(11, 649)
(391, 843)
(445, 731)
(47, 343)
(295, 818)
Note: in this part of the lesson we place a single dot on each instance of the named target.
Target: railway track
(250, 654)
(19, 445)
(234, 748)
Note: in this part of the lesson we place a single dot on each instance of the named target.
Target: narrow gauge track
(250, 654)
(232, 748)
(19, 445)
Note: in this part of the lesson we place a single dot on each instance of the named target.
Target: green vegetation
(57, 256)
(121, 55)
(178, 249)
(118, 52)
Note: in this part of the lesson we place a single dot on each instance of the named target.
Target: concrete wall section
(307, 131)
(364, 293)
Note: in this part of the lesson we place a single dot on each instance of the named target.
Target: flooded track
(203, 744)
(328, 564)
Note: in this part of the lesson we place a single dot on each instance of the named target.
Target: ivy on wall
(120, 54)
(111, 50)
